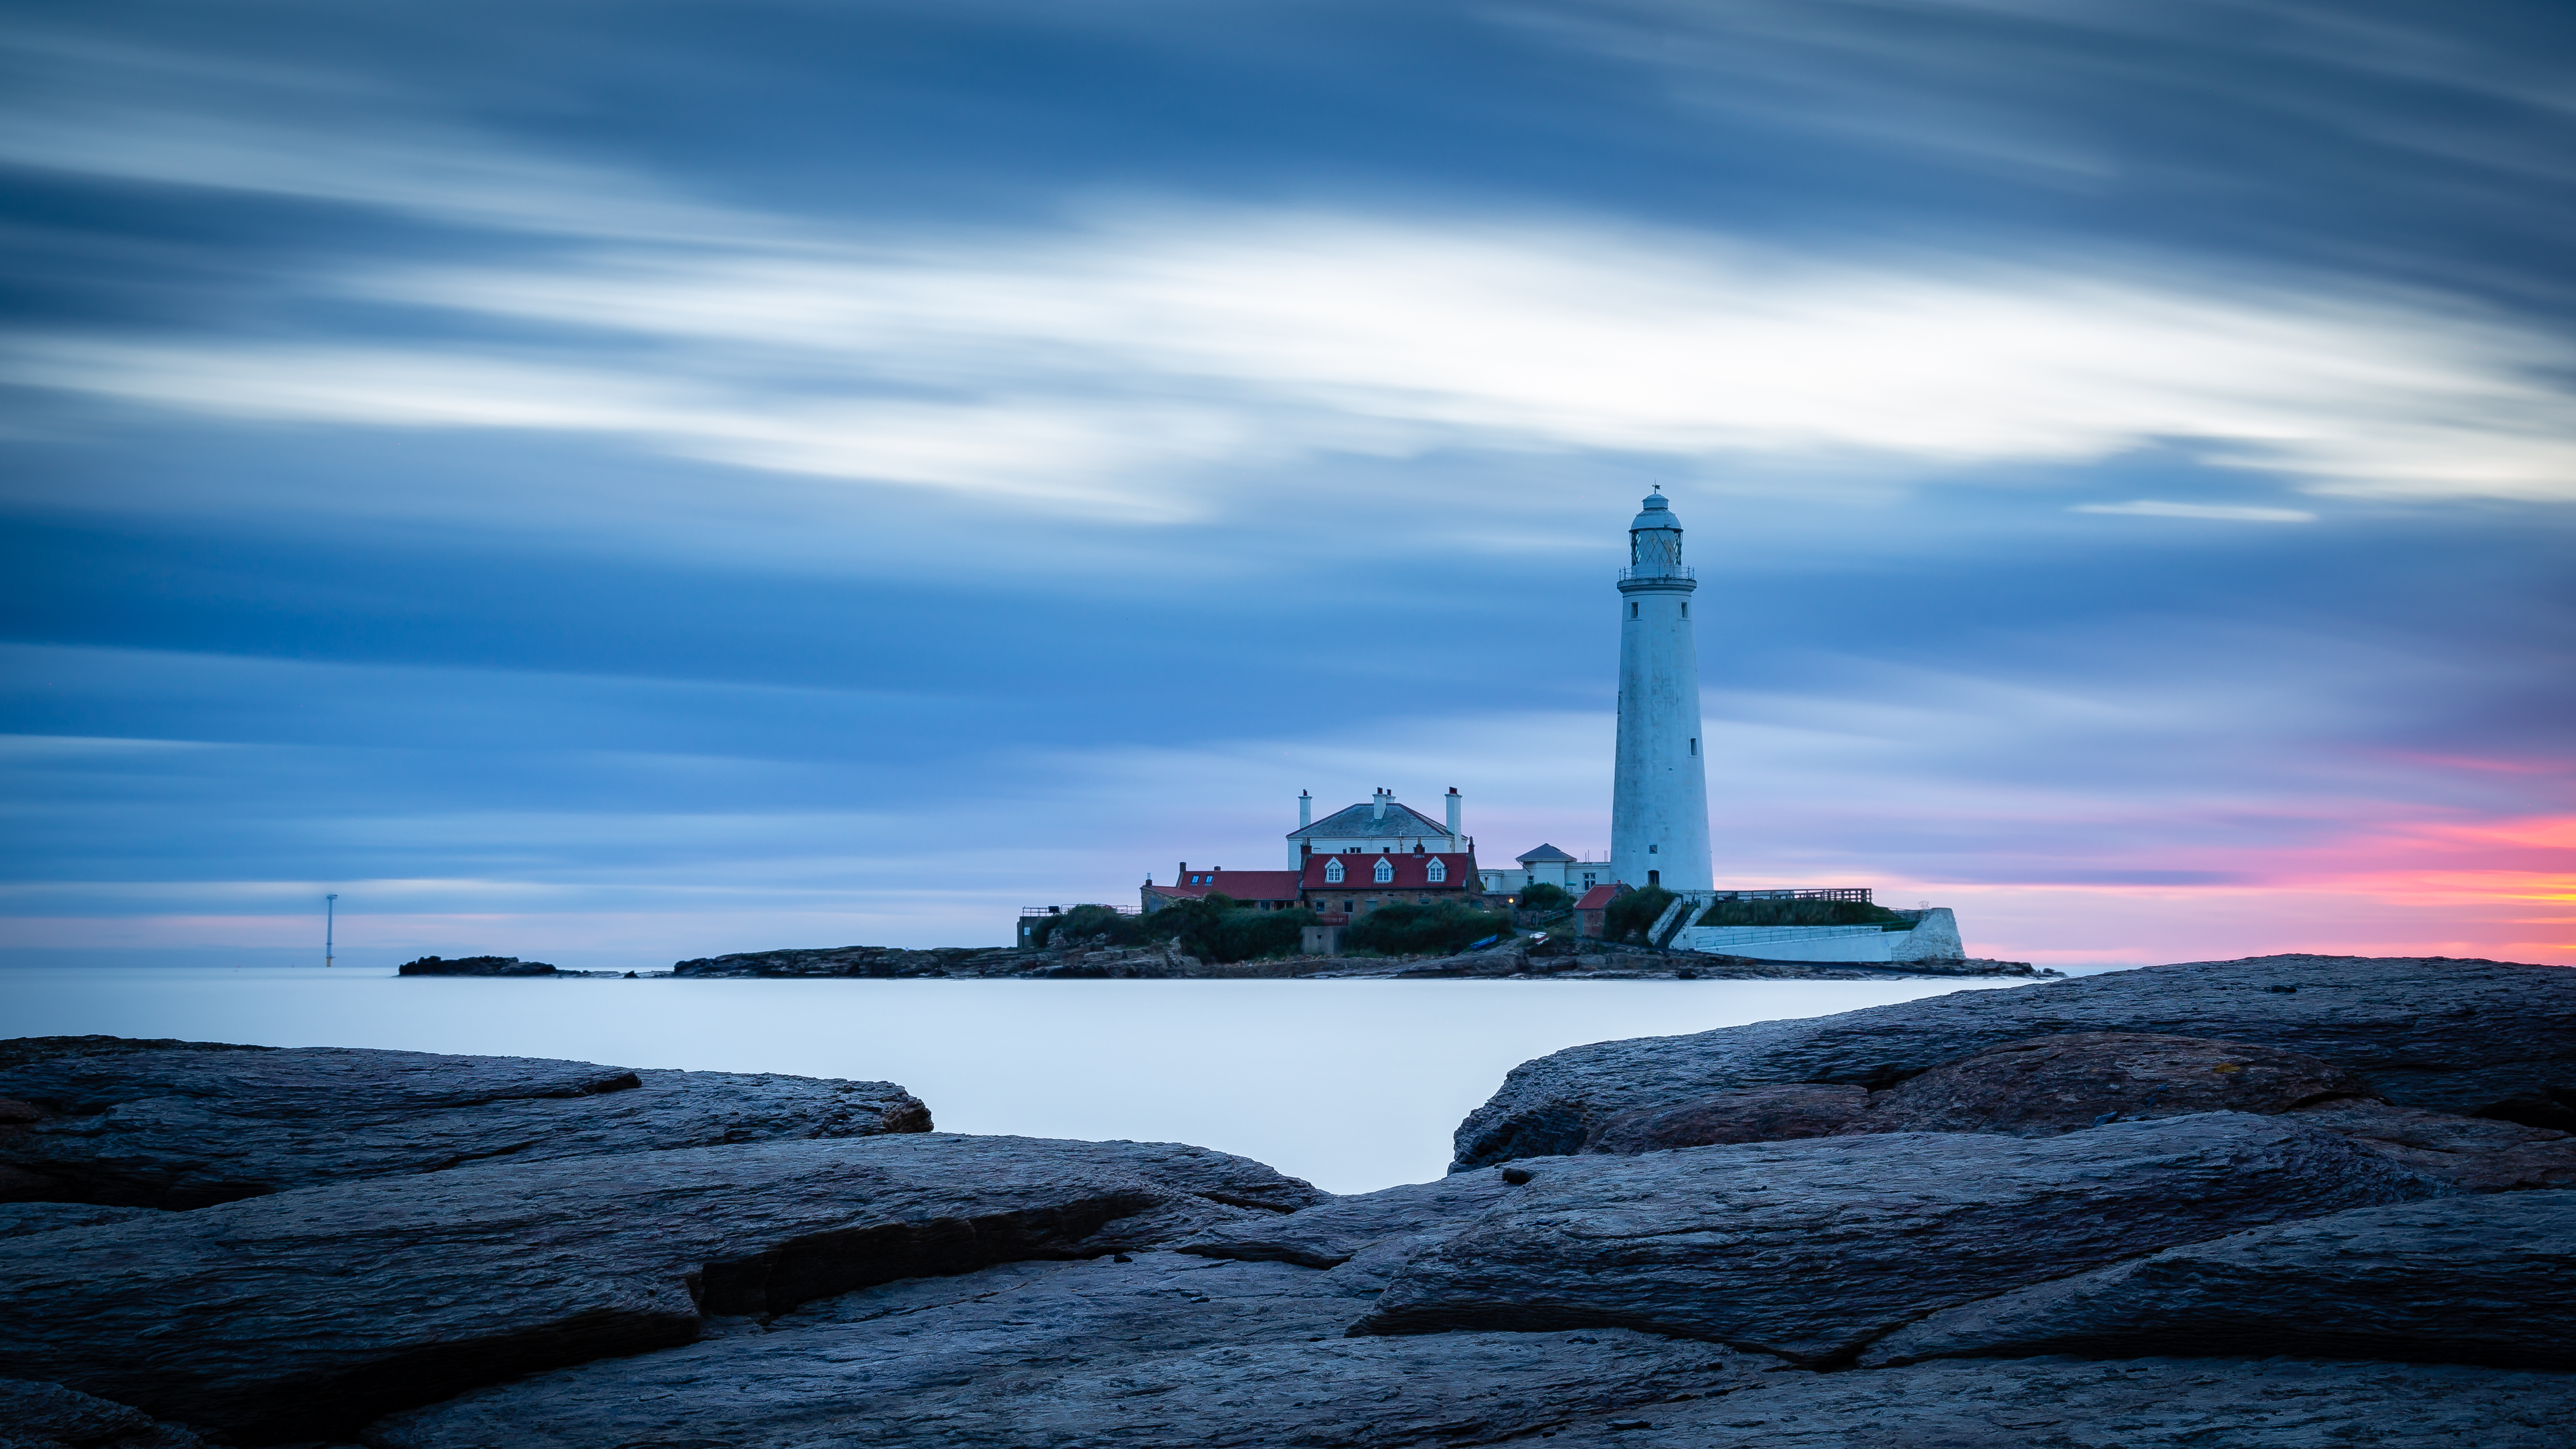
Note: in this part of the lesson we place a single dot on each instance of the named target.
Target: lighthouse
(1659, 800)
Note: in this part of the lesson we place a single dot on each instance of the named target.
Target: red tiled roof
(1412, 872)
(1600, 896)
(1241, 885)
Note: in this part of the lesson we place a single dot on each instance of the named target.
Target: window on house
(1385, 870)
(1654, 877)
(1437, 871)
(1333, 870)
(1588, 882)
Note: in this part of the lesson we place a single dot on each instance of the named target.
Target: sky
(611, 483)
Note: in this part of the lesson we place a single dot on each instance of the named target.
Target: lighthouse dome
(1658, 514)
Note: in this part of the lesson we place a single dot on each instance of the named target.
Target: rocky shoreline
(1526, 958)
(2286, 1201)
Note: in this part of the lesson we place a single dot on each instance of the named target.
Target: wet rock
(1161, 1351)
(1811, 1249)
(2273, 1403)
(20, 1218)
(2486, 1280)
(2064, 1083)
(1747, 1114)
(2447, 1035)
(872, 962)
(49, 1416)
(2477, 1153)
(475, 966)
(308, 1312)
(178, 1124)
(1335, 1232)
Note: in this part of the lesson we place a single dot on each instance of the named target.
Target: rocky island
(2286, 1201)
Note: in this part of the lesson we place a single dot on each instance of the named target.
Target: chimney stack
(1378, 812)
(1305, 809)
(1453, 817)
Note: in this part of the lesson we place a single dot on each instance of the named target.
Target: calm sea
(1353, 1085)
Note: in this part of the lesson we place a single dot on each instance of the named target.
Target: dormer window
(1437, 871)
(1385, 870)
(1333, 872)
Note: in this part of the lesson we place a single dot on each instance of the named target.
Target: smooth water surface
(1353, 1085)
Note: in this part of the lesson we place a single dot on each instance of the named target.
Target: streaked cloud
(2222, 512)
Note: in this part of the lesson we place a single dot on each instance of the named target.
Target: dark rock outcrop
(2477, 1153)
(1746, 1114)
(1811, 1249)
(872, 962)
(1338, 1231)
(2455, 1036)
(179, 1124)
(2054, 1084)
(49, 1416)
(2490, 1280)
(477, 966)
(2139, 1404)
(17, 1219)
(1162, 1352)
(309, 1312)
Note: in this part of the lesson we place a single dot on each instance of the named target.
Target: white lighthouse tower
(1659, 803)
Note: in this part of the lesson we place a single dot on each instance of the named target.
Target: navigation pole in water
(330, 908)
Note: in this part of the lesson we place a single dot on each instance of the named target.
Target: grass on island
(1214, 928)
(1803, 913)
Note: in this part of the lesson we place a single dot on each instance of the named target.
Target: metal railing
(1677, 571)
(1797, 893)
(1060, 910)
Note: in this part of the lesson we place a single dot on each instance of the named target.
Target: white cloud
(2225, 512)
(1122, 366)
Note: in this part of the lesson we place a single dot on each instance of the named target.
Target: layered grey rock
(2451, 1036)
(1811, 1249)
(181, 1124)
(1335, 1232)
(20, 1218)
(1746, 1114)
(1163, 1352)
(2477, 1153)
(2138, 1404)
(2487, 1280)
(2054, 1084)
(308, 1312)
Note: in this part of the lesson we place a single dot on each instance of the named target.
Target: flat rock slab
(1164, 1350)
(2140, 1404)
(2064, 1083)
(1333, 1233)
(2479, 1280)
(1745, 1114)
(1812, 1249)
(2452, 1036)
(2477, 1153)
(181, 1125)
(307, 1313)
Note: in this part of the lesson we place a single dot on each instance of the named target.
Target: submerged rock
(2489, 1280)
(2466, 1037)
(309, 1312)
(184, 1124)
(1811, 1249)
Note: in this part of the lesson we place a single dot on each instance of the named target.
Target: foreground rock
(1812, 1249)
(1333, 1233)
(2054, 1084)
(182, 1124)
(2139, 1404)
(49, 1416)
(2464, 1037)
(2491, 1280)
(307, 1313)
(2480, 1154)
(1746, 1114)
(1162, 1352)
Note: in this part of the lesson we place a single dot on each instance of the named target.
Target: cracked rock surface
(309, 1312)
(186, 1124)
(2487, 1280)
(1163, 1350)
(2053, 1403)
(1811, 1249)
(2447, 1035)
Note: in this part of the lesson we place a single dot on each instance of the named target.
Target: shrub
(1403, 928)
(1545, 897)
(1800, 913)
(1630, 916)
